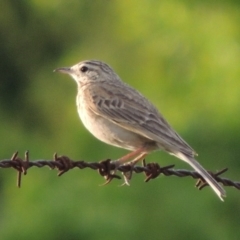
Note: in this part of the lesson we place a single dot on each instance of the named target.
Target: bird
(117, 114)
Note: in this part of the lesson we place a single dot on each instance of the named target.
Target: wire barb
(108, 169)
(65, 164)
(20, 165)
(201, 183)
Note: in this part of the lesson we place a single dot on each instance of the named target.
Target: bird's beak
(66, 70)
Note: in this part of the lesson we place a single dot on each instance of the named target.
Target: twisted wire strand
(108, 169)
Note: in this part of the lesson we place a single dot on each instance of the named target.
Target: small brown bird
(119, 115)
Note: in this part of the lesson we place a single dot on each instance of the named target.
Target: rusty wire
(108, 169)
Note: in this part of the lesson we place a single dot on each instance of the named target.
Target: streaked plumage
(119, 115)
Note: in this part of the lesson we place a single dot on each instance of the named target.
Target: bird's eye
(83, 69)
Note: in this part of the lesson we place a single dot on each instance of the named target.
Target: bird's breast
(106, 130)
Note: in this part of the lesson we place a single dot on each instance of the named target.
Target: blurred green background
(183, 55)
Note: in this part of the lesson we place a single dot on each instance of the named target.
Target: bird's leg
(130, 155)
(138, 158)
(139, 155)
(127, 158)
(128, 175)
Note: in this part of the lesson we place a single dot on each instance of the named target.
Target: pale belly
(109, 132)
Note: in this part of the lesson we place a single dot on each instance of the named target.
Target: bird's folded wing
(130, 110)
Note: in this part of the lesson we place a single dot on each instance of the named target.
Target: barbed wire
(108, 169)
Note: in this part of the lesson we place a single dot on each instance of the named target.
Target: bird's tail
(217, 188)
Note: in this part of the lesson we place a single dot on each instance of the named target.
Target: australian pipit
(119, 115)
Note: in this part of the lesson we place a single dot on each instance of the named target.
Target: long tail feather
(217, 188)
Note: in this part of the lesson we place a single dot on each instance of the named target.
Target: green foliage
(183, 55)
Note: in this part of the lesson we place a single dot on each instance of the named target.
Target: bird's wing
(127, 108)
